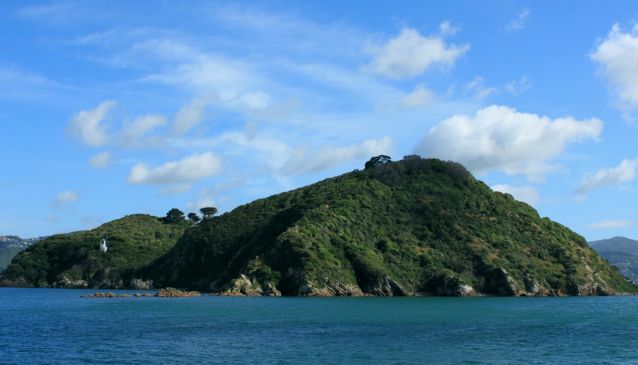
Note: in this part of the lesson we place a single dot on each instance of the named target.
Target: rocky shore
(162, 293)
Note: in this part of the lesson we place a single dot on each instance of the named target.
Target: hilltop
(416, 226)
(622, 252)
(74, 260)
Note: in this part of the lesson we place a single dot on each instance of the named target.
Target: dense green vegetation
(621, 252)
(395, 228)
(74, 260)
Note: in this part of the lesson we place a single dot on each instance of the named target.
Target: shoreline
(175, 293)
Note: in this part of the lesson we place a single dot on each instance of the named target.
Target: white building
(103, 247)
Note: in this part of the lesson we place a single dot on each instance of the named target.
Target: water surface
(57, 326)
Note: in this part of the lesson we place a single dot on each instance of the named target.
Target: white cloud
(518, 23)
(411, 54)
(618, 175)
(301, 162)
(618, 55)
(355, 85)
(132, 132)
(420, 96)
(610, 224)
(255, 100)
(28, 85)
(189, 116)
(518, 87)
(502, 139)
(101, 160)
(271, 151)
(64, 198)
(478, 88)
(525, 194)
(197, 70)
(88, 126)
(191, 168)
(447, 28)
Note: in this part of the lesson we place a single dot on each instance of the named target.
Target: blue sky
(113, 108)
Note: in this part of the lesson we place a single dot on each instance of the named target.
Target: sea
(56, 326)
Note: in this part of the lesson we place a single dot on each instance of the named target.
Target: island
(394, 228)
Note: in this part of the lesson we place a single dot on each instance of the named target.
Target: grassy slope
(133, 241)
(416, 225)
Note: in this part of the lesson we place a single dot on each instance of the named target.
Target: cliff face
(75, 261)
(417, 226)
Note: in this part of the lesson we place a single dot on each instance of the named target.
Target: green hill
(396, 228)
(621, 252)
(74, 260)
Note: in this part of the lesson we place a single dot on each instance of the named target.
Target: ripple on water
(56, 326)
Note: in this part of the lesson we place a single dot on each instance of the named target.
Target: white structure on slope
(103, 247)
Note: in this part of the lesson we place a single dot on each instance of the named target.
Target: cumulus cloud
(410, 54)
(302, 162)
(618, 56)
(517, 24)
(101, 160)
(191, 168)
(420, 96)
(499, 138)
(64, 198)
(610, 224)
(132, 132)
(88, 126)
(618, 175)
(525, 194)
(189, 116)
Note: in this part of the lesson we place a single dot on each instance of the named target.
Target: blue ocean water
(56, 326)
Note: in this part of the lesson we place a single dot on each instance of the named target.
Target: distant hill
(11, 246)
(621, 252)
(416, 226)
(74, 260)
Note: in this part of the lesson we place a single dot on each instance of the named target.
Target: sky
(110, 108)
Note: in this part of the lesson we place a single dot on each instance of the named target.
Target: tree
(208, 212)
(193, 217)
(174, 216)
(378, 161)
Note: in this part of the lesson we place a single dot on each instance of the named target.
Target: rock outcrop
(176, 293)
(243, 286)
